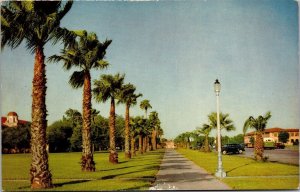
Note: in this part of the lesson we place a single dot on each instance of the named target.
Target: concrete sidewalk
(178, 173)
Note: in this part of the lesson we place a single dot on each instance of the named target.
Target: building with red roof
(274, 132)
(12, 120)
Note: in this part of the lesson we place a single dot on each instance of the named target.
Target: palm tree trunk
(206, 144)
(127, 145)
(259, 146)
(133, 146)
(141, 144)
(153, 141)
(87, 161)
(39, 171)
(113, 156)
(144, 144)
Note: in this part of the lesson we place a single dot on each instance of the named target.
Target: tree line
(65, 134)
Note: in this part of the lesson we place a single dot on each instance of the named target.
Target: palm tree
(225, 122)
(205, 130)
(109, 87)
(135, 124)
(259, 124)
(145, 105)
(37, 22)
(128, 97)
(139, 125)
(87, 53)
(154, 125)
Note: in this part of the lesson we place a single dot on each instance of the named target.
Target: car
(231, 148)
(279, 145)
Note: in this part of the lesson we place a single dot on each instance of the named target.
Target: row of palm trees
(38, 22)
(259, 124)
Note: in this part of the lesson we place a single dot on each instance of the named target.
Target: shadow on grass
(150, 167)
(70, 182)
(55, 185)
(238, 167)
(119, 168)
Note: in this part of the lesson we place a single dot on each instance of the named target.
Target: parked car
(279, 145)
(232, 148)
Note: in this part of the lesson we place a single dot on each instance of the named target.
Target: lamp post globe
(220, 171)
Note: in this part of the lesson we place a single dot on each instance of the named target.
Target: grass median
(247, 174)
(136, 173)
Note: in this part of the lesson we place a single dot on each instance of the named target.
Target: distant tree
(154, 124)
(252, 140)
(138, 124)
(101, 137)
(76, 139)
(58, 135)
(283, 136)
(237, 139)
(16, 137)
(259, 124)
(205, 130)
(74, 116)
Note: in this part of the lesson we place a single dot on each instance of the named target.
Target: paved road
(178, 173)
(277, 155)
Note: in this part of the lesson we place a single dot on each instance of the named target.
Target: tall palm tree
(109, 87)
(205, 130)
(87, 53)
(259, 124)
(36, 22)
(145, 105)
(154, 125)
(128, 97)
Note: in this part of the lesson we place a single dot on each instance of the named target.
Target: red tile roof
(276, 129)
(12, 113)
(3, 120)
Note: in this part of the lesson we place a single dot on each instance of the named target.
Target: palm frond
(65, 10)
(77, 79)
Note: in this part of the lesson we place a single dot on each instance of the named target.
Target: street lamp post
(219, 172)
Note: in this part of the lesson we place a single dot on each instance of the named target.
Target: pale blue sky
(173, 51)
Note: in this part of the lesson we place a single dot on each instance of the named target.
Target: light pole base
(220, 173)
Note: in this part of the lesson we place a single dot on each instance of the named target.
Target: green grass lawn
(137, 173)
(246, 173)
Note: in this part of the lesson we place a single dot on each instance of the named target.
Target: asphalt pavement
(178, 173)
(287, 156)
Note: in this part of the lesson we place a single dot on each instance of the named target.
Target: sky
(173, 51)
